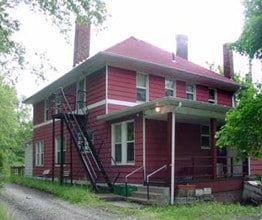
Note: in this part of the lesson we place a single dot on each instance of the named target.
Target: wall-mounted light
(157, 109)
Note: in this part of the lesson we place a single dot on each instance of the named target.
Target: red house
(136, 113)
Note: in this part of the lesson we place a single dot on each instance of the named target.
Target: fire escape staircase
(76, 125)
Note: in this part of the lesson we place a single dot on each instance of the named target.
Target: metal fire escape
(82, 140)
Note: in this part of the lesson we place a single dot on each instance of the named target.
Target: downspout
(173, 151)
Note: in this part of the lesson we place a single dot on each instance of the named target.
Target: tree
(250, 41)
(59, 12)
(243, 128)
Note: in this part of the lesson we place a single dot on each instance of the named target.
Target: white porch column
(173, 133)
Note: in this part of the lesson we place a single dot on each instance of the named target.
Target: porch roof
(187, 110)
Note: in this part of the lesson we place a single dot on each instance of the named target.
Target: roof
(138, 55)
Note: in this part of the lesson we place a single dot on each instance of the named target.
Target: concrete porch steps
(157, 195)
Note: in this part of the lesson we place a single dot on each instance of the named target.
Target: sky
(208, 23)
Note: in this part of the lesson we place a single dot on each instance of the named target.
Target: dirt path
(25, 203)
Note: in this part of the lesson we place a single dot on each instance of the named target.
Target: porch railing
(164, 167)
(133, 172)
(189, 169)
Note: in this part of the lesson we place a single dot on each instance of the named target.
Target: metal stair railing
(131, 173)
(164, 167)
(76, 130)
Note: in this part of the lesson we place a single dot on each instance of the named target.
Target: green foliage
(242, 130)
(3, 212)
(204, 210)
(250, 40)
(58, 12)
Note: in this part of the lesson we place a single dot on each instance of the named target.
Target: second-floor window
(212, 96)
(39, 153)
(169, 87)
(190, 91)
(46, 109)
(141, 87)
(58, 154)
(81, 94)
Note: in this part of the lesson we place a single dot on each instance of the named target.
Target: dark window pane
(205, 130)
(118, 153)
(130, 152)
(130, 131)
(190, 96)
(141, 94)
(205, 141)
(169, 92)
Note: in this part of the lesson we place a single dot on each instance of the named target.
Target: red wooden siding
(96, 89)
(121, 84)
(70, 92)
(156, 87)
(224, 98)
(180, 89)
(156, 146)
(255, 167)
(201, 93)
(39, 113)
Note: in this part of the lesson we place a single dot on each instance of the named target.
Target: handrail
(130, 174)
(151, 174)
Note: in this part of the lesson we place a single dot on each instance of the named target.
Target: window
(46, 109)
(205, 137)
(58, 158)
(81, 94)
(123, 142)
(212, 96)
(141, 87)
(190, 92)
(58, 103)
(169, 87)
(39, 153)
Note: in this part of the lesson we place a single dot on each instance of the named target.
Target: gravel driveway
(25, 203)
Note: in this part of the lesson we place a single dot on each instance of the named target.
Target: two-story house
(137, 113)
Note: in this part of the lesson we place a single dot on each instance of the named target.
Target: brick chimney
(228, 62)
(182, 46)
(82, 43)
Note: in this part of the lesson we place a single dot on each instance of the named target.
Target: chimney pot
(182, 46)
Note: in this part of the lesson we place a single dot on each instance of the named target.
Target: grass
(83, 195)
(3, 212)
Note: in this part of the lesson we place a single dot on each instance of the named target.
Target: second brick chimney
(82, 43)
(182, 46)
(228, 62)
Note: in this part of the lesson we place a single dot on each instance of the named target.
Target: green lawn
(205, 210)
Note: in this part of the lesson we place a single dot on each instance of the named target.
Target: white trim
(119, 102)
(106, 89)
(96, 104)
(144, 146)
(173, 145)
(39, 162)
(249, 166)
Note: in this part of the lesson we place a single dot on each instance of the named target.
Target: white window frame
(169, 88)
(205, 136)
(124, 142)
(142, 87)
(191, 93)
(39, 153)
(57, 150)
(81, 94)
(212, 101)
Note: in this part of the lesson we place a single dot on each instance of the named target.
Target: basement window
(205, 137)
(123, 142)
